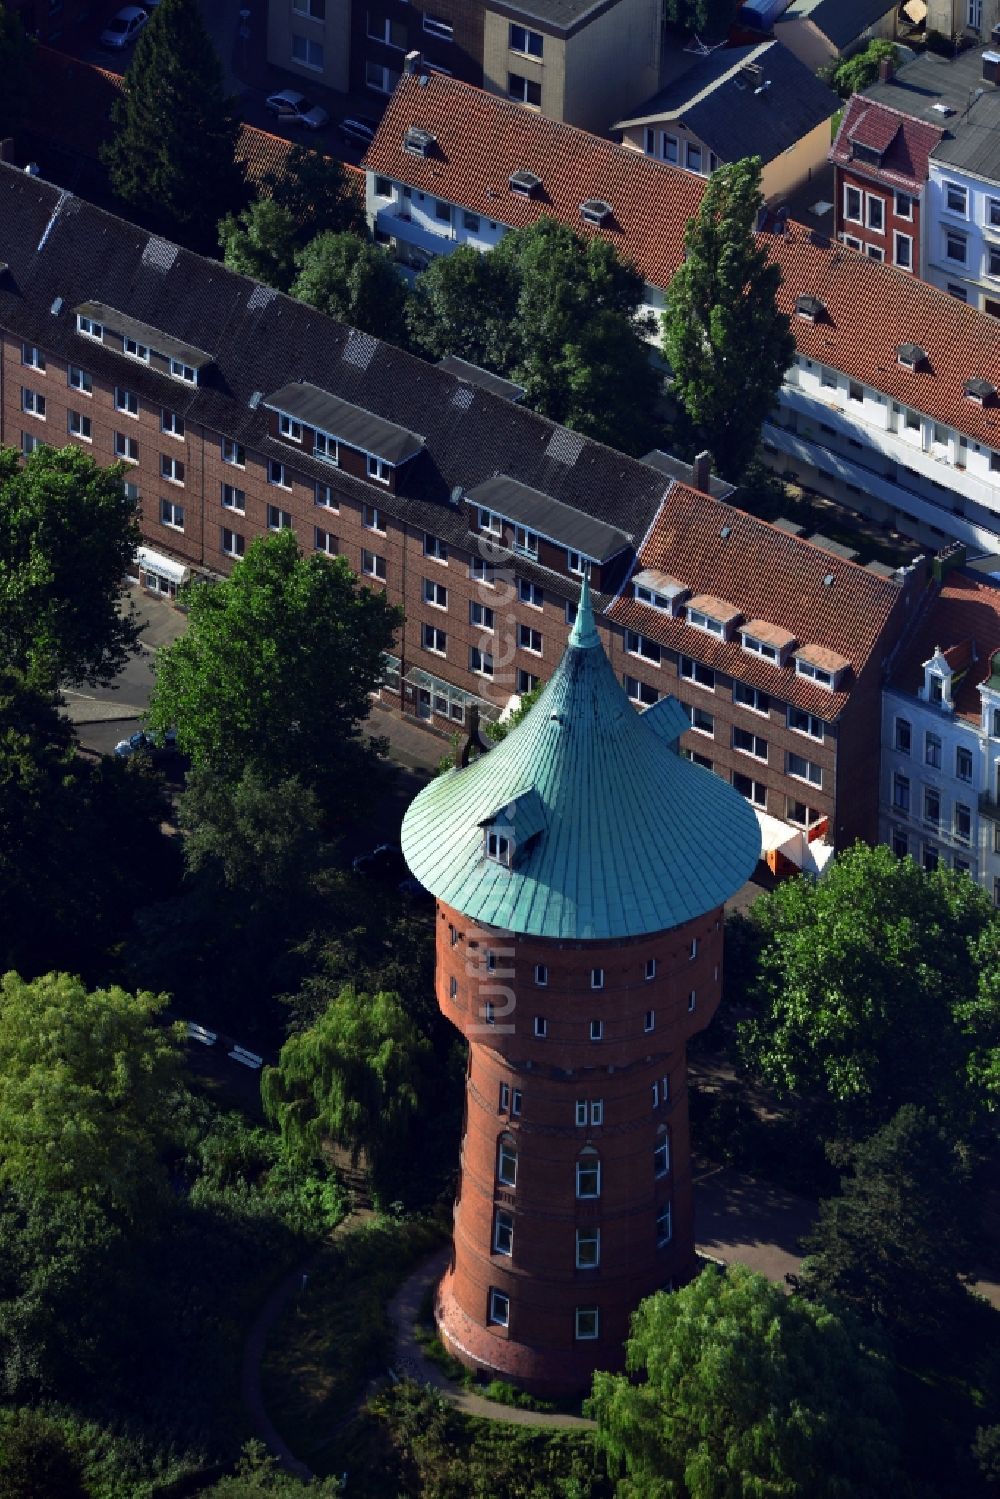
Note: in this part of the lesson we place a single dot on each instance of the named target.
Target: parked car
(296, 109)
(152, 744)
(122, 30)
(385, 861)
(361, 131)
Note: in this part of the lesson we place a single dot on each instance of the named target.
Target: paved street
(104, 715)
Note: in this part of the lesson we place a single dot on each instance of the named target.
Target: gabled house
(820, 32)
(736, 102)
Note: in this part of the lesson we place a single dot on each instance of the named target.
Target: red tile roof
(481, 139)
(906, 143)
(769, 575)
(872, 307)
(964, 621)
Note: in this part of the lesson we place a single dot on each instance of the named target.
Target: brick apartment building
(237, 410)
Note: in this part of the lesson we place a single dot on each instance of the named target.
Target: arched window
(588, 1173)
(507, 1161)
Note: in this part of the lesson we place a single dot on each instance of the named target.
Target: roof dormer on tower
(585, 823)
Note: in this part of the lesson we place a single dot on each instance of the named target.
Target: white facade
(962, 236)
(856, 444)
(939, 794)
(416, 226)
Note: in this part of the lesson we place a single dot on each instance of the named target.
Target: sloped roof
(768, 575)
(481, 139)
(843, 21)
(964, 621)
(261, 340)
(736, 118)
(970, 139)
(906, 143)
(630, 837)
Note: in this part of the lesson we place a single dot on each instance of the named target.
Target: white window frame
(590, 1234)
(83, 381)
(78, 424)
(507, 1162)
(379, 469)
(499, 1309)
(503, 1233)
(588, 1162)
(585, 1330)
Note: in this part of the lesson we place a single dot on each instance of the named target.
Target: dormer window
(814, 673)
(595, 210)
(290, 428)
(911, 356)
(136, 349)
(182, 371)
(980, 391)
(90, 326)
(524, 183)
(703, 621)
(577, 564)
(810, 308)
(760, 647)
(653, 599)
(498, 848)
(713, 615)
(491, 522)
(418, 142)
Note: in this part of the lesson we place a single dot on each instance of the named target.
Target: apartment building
(960, 226)
(584, 61)
(775, 648)
(737, 102)
(940, 783)
(881, 161)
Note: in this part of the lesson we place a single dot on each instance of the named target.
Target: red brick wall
(545, 1287)
(884, 240)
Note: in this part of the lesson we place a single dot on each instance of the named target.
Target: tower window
(587, 1321)
(503, 1233)
(597, 1030)
(693, 950)
(597, 1111)
(692, 1000)
(515, 1103)
(489, 1013)
(581, 1111)
(504, 1097)
(498, 848)
(453, 988)
(499, 1308)
(597, 978)
(650, 969)
(541, 1027)
(656, 1095)
(664, 1225)
(650, 1020)
(588, 1174)
(661, 1155)
(507, 1162)
(588, 1248)
(541, 975)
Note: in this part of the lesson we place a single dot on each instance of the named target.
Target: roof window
(595, 210)
(524, 182)
(810, 308)
(911, 356)
(981, 391)
(419, 142)
(868, 154)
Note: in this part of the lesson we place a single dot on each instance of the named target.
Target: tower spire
(584, 632)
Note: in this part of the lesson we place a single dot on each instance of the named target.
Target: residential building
(580, 870)
(964, 18)
(961, 218)
(584, 61)
(909, 438)
(774, 645)
(881, 169)
(737, 102)
(940, 786)
(821, 32)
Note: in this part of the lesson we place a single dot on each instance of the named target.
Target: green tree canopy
(261, 242)
(555, 312)
(746, 1391)
(357, 1077)
(16, 58)
(355, 282)
(87, 1084)
(893, 1245)
(722, 321)
(173, 155)
(258, 1473)
(869, 991)
(79, 842)
(710, 18)
(860, 71)
(319, 195)
(262, 838)
(67, 538)
(276, 669)
(36, 1460)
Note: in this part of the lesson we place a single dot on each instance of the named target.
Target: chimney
(701, 471)
(414, 62)
(886, 68)
(7, 149)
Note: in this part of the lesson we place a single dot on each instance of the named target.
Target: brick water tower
(580, 870)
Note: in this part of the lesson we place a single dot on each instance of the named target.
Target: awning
(164, 567)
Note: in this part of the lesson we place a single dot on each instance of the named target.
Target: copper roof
(964, 621)
(770, 576)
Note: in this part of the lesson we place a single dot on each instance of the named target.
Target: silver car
(296, 109)
(122, 30)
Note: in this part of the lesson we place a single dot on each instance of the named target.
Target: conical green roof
(614, 833)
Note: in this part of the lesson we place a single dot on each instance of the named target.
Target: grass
(337, 1335)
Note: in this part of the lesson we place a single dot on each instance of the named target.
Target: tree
(859, 72)
(555, 312)
(276, 669)
(722, 320)
(68, 535)
(87, 1083)
(16, 58)
(895, 1244)
(355, 282)
(261, 242)
(745, 1390)
(317, 192)
(711, 18)
(36, 1460)
(173, 155)
(79, 841)
(868, 991)
(354, 1077)
(263, 839)
(257, 1472)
